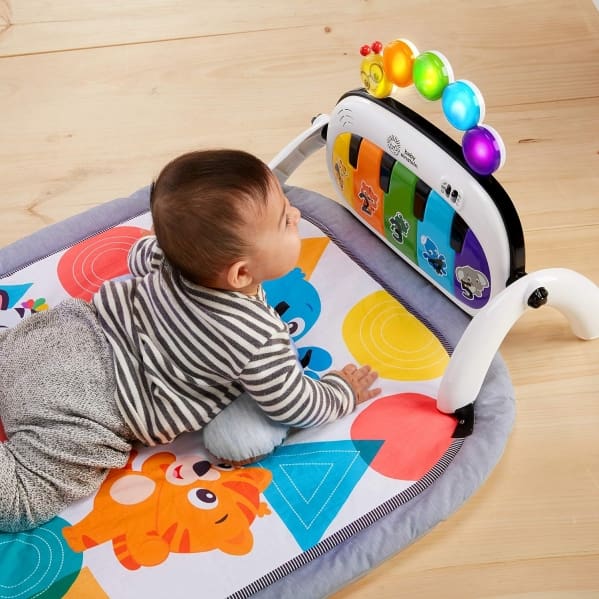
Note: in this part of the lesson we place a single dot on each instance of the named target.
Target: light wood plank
(40, 26)
(4, 14)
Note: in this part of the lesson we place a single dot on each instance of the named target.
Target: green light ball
(432, 74)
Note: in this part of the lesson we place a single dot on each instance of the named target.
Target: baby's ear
(239, 275)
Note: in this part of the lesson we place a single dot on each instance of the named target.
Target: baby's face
(277, 245)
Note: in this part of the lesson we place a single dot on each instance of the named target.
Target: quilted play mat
(418, 270)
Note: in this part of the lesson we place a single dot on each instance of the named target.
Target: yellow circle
(379, 331)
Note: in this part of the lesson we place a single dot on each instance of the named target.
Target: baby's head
(222, 220)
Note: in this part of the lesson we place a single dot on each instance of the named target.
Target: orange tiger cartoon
(174, 504)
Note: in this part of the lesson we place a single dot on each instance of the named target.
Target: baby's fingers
(365, 378)
(369, 394)
(366, 375)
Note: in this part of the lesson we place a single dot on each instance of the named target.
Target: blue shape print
(296, 301)
(314, 360)
(11, 294)
(298, 304)
(312, 481)
(432, 255)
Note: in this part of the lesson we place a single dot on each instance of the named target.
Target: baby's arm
(145, 256)
(276, 381)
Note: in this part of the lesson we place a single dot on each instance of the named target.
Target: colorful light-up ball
(373, 76)
(484, 150)
(463, 105)
(432, 73)
(398, 61)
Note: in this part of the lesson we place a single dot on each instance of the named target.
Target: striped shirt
(183, 352)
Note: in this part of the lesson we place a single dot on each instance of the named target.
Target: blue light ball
(483, 149)
(463, 105)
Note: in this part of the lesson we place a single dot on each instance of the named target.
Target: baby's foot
(240, 463)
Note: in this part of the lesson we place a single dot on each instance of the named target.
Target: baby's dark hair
(200, 205)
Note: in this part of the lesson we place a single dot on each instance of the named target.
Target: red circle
(414, 432)
(377, 47)
(84, 267)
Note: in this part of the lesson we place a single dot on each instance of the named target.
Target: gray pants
(58, 409)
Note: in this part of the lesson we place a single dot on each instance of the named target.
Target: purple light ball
(483, 149)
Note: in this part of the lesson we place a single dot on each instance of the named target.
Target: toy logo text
(393, 144)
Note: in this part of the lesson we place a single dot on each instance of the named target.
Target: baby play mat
(325, 507)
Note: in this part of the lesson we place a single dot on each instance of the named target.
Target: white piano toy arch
(438, 206)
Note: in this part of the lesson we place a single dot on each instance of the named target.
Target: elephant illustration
(472, 281)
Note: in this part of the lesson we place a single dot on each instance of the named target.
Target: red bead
(365, 50)
(377, 47)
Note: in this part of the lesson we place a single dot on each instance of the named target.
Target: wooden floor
(96, 96)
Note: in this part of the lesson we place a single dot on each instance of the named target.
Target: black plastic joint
(538, 298)
(465, 425)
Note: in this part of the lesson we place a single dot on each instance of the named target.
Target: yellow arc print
(379, 331)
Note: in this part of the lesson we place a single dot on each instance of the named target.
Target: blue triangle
(312, 481)
(11, 294)
(309, 484)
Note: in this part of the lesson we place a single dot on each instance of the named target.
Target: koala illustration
(472, 281)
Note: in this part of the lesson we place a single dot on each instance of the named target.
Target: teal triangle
(12, 294)
(312, 481)
(309, 484)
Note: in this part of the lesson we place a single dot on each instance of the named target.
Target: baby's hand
(360, 380)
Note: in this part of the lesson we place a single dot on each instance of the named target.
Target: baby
(166, 351)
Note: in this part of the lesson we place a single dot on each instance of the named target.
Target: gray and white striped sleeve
(145, 256)
(275, 379)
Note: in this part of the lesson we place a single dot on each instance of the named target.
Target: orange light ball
(398, 61)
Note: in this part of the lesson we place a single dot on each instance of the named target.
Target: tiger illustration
(174, 504)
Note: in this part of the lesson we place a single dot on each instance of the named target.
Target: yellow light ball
(374, 78)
